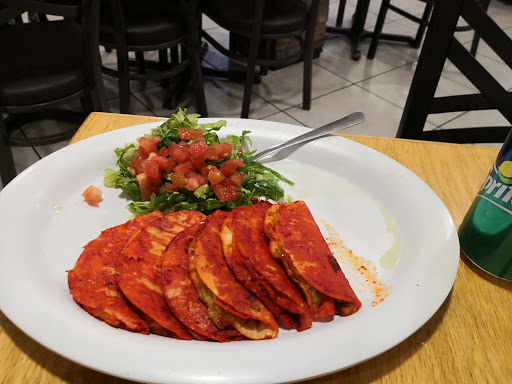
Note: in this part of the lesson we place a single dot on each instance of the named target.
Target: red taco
(92, 281)
(246, 250)
(228, 302)
(296, 240)
(181, 295)
(139, 271)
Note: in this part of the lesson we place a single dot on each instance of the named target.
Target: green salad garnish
(184, 165)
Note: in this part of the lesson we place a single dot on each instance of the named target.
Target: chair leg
(476, 38)
(423, 26)
(141, 63)
(308, 70)
(341, 13)
(7, 168)
(249, 78)
(87, 102)
(181, 84)
(124, 80)
(192, 52)
(175, 55)
(198, 82)
(163, 62)
(378, 28)
(96, 91)
(232, 42)
(429, 68)
(254, 47)
(267, 46)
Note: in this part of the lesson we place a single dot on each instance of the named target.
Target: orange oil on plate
(366, 274)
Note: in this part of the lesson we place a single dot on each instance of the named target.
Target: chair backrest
(65, 8)
(115, 13)
(440, 44)
(8, 14)
(84, 12)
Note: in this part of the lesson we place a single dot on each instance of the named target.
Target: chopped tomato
(198, 149)
(169, 187)
(163, 152)
(226, 190)
(215, 176)
(194, 181)
(92, 196)
(225, 150)
(206, 169)
(163, 162)
(219, 151)
(229, 167)
(178, 179)
(152, 169)
(170, 165)
(201, 180)
(191, 185)
(190, 133)
(184, 133)
(199, 162)
(136, 163)
(185, 167)
(237, 178)
(184, 144)
(145, 186)
(196, 134)
(178, 153)
(148, 145)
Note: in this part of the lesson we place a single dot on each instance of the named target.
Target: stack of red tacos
(222, 277)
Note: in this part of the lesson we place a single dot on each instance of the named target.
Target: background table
(468, 340)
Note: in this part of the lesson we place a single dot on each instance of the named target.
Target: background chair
(423, 21)
(44, 66)
(440, 44)
(134, 26)
(254, 25)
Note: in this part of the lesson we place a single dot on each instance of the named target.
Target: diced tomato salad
(184, 165)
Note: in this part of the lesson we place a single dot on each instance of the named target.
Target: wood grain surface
(468, 340)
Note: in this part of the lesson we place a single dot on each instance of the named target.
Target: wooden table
(468, 340)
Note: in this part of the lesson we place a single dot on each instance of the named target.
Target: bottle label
(497, 188)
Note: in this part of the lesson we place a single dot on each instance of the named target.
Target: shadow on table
(49, 361)
(504, 284)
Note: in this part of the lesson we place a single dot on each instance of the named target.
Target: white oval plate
(360, 192)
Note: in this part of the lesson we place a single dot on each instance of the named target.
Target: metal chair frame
(257, 40)
(440, 44)
(190, 59)
(92, 96)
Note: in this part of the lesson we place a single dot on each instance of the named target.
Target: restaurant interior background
(377, 87)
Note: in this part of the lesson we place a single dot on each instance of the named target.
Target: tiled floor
(376, 87)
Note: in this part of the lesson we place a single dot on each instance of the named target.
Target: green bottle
(486, 232)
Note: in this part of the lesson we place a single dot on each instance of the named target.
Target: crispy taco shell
(139, 270)
(246, 251)
(227, 300)
(296, 240)
(92, 281)
(181, 294)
